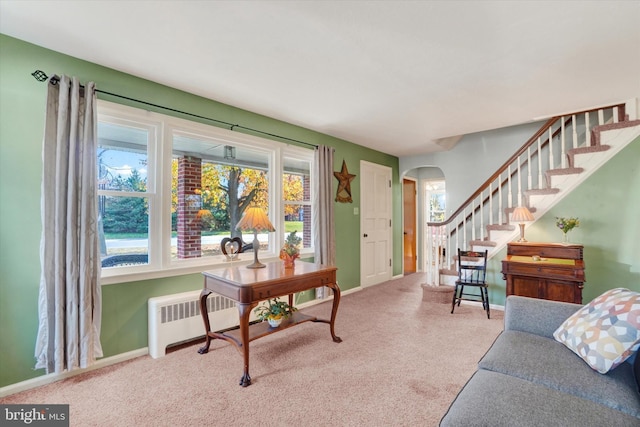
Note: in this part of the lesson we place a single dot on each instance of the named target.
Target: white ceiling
(396, 76)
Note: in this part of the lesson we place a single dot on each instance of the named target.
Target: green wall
(608, 206)
(124, 323)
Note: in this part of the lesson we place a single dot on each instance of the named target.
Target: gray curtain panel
(324, 238)
(69, 304)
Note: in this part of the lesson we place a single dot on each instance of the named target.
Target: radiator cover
(176, 318)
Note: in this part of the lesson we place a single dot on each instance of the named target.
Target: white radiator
(176, 318)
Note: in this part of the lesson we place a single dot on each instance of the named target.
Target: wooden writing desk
(557, 272)
(250, 286)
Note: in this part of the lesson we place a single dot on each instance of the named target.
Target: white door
(375, 223)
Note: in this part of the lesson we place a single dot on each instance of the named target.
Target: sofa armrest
(536, 316)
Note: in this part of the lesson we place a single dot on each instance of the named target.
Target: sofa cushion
(546, 362)
(605, 332)
(494, 399)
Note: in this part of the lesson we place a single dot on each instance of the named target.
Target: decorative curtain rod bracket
(41, 76)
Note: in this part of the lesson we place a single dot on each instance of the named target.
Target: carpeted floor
(402, 361)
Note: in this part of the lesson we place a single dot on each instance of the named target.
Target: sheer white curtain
(69, 303)
(324, 238)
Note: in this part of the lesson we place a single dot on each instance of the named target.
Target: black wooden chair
(472, 272)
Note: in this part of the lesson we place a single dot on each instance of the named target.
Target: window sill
(136, 274)
(114, 276)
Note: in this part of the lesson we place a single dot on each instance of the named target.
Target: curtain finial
(40, 76)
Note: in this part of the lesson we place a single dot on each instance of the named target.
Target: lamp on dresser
(521, 215)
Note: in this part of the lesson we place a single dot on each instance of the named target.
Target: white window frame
(159, 190)
(302, 154)
(125, 116)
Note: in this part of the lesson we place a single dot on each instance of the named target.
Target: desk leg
(334, 310)
(205, 318)
(245, 311)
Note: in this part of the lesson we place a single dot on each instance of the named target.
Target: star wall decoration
(343, 195)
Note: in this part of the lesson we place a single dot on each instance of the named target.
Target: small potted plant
(291, 250)
(274, 312)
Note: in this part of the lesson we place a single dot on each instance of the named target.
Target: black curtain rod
(41, 76)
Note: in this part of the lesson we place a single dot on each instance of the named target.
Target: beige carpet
(402, 361)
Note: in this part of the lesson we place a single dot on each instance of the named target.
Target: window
(435, 196)
(212, 183)
(170, 190)
(124, 191)
(296, 195)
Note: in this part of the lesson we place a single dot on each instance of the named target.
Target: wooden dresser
(551, 271)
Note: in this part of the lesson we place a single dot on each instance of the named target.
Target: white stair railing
(489, 207)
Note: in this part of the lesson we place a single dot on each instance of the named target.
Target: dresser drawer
(545, 250)
(543, 270)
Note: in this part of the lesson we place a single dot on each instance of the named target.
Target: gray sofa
(527, 378)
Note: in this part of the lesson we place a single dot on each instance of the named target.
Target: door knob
(365, 235)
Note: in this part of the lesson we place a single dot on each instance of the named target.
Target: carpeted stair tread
(541, 191)
(449, 271)
(505, 227)
(564, 171)
(597, 131)
(488, 243)
(590, 149)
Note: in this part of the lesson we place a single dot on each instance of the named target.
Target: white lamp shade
(255, 219)
(522, 214)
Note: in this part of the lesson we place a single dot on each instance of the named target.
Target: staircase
(557, 158)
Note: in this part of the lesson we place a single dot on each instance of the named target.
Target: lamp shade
(255, 219)
(522, 214)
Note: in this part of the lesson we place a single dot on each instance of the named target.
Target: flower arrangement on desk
(274, 312)
(291, 249)
(566, 225)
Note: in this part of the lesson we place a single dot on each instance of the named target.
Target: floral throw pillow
(605, 332)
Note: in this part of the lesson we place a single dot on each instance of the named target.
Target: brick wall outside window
(189, 202)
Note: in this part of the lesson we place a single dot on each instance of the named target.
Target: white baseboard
(51, 378)
(350, 291)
